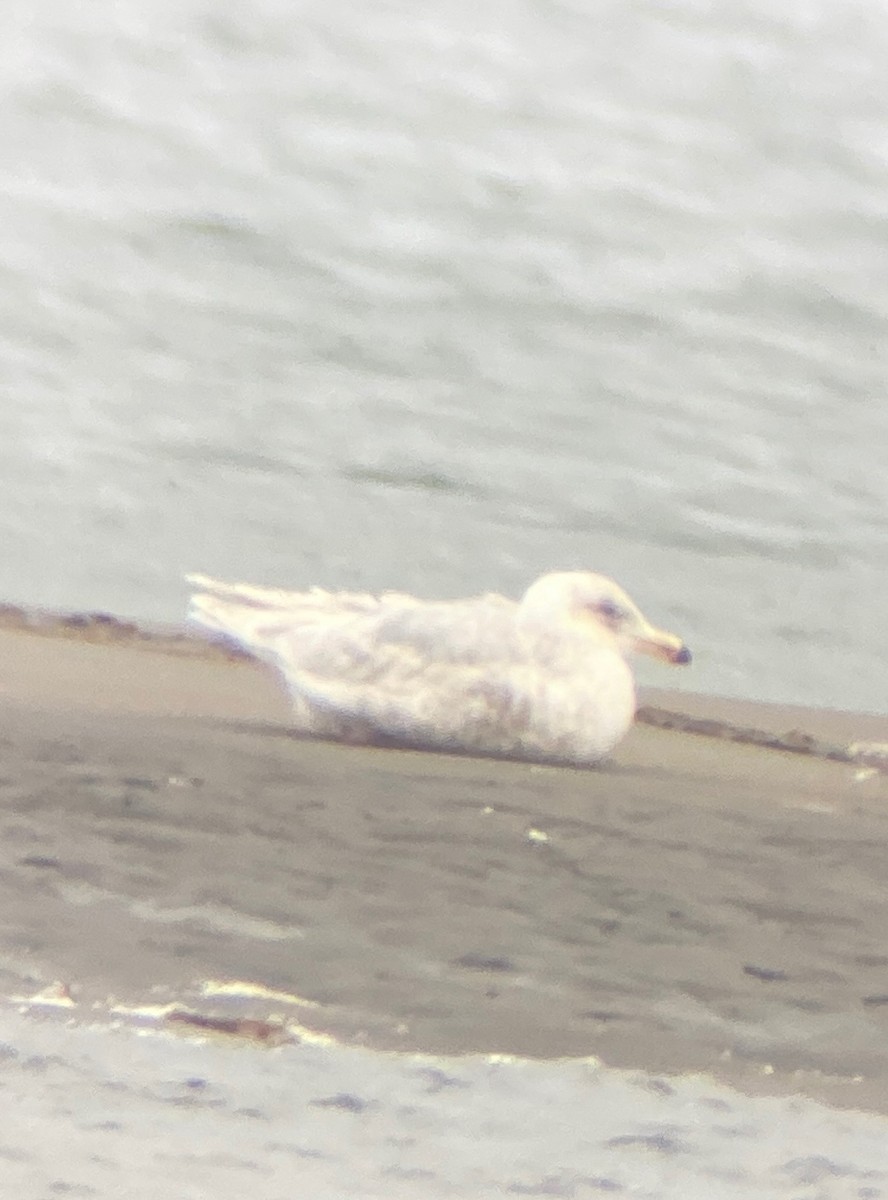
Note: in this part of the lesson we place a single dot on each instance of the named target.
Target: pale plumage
(544, 679)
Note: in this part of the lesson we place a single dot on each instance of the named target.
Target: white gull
(544, 679)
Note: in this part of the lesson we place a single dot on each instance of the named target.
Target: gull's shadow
(275, 730)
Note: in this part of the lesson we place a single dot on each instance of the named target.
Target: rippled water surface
(381, 296)
(212, 1120)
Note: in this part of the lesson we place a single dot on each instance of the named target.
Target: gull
(544, 679)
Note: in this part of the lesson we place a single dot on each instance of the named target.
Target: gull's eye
(610, 610)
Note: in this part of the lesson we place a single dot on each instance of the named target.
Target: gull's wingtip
(201, 581)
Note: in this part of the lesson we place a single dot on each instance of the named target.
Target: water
(437, 301)
(198, 1120)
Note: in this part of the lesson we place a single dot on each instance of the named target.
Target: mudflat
(697, 904)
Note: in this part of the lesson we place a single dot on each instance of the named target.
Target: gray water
(438, 299)
(142, 1118)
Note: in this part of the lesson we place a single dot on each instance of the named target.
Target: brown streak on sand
(701, 903)
(250, 1029)
(870, 754)
(104, 628)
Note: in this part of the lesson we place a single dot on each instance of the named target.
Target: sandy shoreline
(698, 905)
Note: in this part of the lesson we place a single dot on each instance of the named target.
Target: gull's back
(331, 634)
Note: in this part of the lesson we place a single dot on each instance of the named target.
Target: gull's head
(596, 606)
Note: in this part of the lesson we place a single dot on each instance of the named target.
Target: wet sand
(699, 904)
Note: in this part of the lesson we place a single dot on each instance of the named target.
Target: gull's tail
(260, 619)
(245, 595)
(254, 617)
